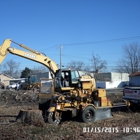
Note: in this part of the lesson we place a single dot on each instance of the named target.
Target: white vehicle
(13, 86)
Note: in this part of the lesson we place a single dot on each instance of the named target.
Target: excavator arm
(4, 49)
(30, 54)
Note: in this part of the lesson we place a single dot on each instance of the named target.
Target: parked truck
(132, 95)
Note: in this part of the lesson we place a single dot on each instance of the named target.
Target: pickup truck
(132, 94)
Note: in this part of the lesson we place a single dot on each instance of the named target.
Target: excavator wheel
(52, 119)
(88, 114)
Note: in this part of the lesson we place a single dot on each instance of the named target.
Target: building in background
(111, 80)
(5, 79)
(134, 79)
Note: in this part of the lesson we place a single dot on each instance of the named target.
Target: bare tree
(11, 68)
(87, 68)
(76, 65)
(130, 61)
(98, 64)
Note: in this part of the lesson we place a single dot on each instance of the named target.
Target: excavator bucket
(103, 113)
(3, 49)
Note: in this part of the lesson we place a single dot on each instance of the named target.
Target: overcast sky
(82, 27)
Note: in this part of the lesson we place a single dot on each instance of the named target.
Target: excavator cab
(31, 82)
(32, 79)
(66, 80)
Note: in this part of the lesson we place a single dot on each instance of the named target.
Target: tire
(133, 107)
(88, 114)
(52, 120)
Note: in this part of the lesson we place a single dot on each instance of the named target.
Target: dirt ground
(122, 126)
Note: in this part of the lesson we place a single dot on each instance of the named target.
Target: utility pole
(60, 57)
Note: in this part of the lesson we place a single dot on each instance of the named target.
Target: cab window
(74, 77)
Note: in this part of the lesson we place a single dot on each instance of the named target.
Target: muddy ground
(122, 126)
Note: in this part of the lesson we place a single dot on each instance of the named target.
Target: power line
(94, 42)
(49, 48)
(102, 41)
(106, 66)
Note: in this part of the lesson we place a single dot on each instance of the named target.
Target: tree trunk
(31, 117)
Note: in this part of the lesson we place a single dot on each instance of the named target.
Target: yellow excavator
(69, 91)
(31, 83)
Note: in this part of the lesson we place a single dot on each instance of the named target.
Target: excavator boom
(30, 54)
(4, 49)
